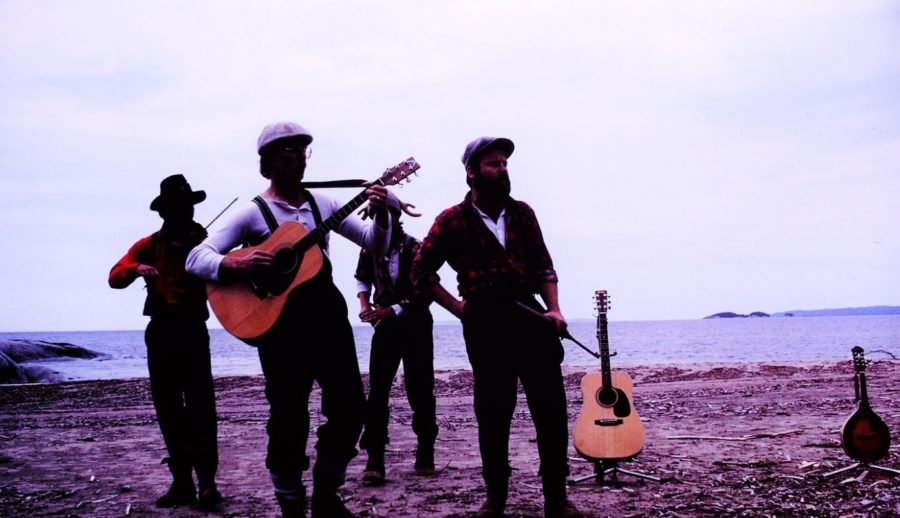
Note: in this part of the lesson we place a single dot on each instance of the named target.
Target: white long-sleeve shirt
(247, 224)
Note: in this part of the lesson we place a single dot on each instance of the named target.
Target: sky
(688, 157)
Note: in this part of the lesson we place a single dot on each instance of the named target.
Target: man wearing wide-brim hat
(177, 341)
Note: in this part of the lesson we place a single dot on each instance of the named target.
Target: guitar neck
(859, 365)
(603, 338)
(863, 394)
(334, 220)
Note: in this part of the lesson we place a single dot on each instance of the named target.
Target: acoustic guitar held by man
(312, 341)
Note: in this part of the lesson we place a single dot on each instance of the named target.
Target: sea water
(738, 340)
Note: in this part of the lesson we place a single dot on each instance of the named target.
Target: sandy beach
(726, 440)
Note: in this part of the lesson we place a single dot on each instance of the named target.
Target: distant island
(834, 312)
(729, 314)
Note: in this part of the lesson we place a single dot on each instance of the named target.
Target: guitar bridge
(608, 422)
(258, 290)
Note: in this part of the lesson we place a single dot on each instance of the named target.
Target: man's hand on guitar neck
(378, 195)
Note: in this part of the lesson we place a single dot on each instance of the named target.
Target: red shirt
(175, 292)
(460, 238)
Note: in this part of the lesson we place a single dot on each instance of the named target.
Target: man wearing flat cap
(177, 343)
(495, 245)
(313, 339)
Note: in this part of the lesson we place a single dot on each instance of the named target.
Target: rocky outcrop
(15, 352)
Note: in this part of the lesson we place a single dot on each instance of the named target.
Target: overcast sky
(688, 157)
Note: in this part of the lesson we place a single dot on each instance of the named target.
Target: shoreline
(567, 368)
(729, 439)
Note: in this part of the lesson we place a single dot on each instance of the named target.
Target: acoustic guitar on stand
(865, 437)
(608, 427)
(249, 307)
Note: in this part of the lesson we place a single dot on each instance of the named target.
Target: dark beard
(497, 189)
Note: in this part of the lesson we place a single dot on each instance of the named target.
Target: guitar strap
(273, 224)
(317, 216)
(266, 213)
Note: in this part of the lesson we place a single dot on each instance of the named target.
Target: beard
(497, 188)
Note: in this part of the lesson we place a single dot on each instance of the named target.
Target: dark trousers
(182, 388)
(506, 345)
(313, 341)
(407, 338)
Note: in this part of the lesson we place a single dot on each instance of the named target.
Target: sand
(726, 440)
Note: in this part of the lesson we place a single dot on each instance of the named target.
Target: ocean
(740, 340)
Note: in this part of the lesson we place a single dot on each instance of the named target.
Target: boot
(373, 475)
(491, 509)
(495, 504)
(328, 505)
(556, 504)
(561, 509)
(182, 491)
(293, 505)
(424, 459)
(208, 495)
(328, 476)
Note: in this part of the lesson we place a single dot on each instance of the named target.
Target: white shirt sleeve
(248, 225)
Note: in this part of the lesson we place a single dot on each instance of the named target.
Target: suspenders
(273, 224)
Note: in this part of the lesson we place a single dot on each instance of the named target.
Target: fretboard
(334, 220)
(603, 338)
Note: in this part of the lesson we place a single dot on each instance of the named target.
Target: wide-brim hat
(175, 190)
(481, 145)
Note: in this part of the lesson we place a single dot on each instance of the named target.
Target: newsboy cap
(280, 130)
(478, 146)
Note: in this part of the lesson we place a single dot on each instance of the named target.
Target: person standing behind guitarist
(495, 245)
(313, 339)
(181, 382)
(403, 332)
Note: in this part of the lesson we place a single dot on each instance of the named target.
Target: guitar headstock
(396, 174)
(601, 301)
(859, 361)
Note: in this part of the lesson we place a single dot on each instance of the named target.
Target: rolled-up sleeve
(428, 260)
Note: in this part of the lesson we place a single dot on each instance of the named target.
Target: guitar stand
(855, 465)
(603, 468)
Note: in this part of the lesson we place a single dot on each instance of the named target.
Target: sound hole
(285, 261)
(607, 397)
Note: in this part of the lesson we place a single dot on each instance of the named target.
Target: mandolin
(248, 308)
(608, 427)
(865, 436)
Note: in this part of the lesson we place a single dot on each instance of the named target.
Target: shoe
(329, 506)
(292, 506)
(562, 509)
(373, 475)
(209, 497)
(180, 493)
(424, 460)
(491, 508)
